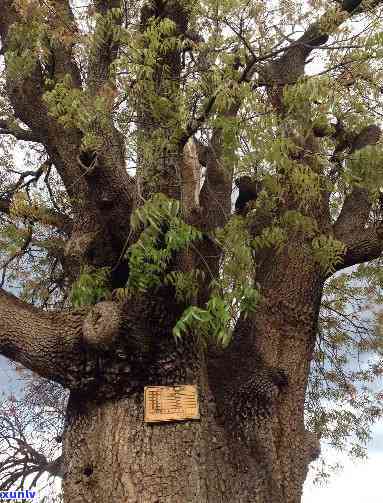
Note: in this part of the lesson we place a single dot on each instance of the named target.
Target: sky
(358, 481)
(8, 378)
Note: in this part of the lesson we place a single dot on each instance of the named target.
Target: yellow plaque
(171, 403)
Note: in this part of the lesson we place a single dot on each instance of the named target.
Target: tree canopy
(127, 132)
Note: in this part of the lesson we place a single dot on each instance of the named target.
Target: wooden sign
(171, 403)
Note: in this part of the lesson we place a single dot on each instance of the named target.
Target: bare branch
(47, 343)
(362, 246)
(55, 467)
(21, 459)
(20, 184)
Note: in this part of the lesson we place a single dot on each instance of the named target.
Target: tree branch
(62, 60)
(22, 459)
(55, 467)
(362, 246)
(196, 123)
(26, 97)
(25, 94)
(34, 213)
(20, 184)
(289, 67)
(356, 6)
(354, 214)
(43, 216)
(17, 132)
(107, 188)
(357, 205)
(49, 344)
(104, 48)
(62, 346)
(217, 187)
(24, 247)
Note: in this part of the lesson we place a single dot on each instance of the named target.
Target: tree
(30, 438)
(137, 118)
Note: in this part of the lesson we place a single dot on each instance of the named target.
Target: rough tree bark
(250, 444)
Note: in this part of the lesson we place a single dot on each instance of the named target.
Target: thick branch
(44, 216)
(101, 325)
(356, 6)
(101, 199)
(289, 67)
(61, 61)
(25, 94)
(61, 346)
(17, 132)
(26, 97)
(49, 344)
(357, 205)
(362, 246)
(190, 169)
(354, 214)
(217, 187)
(105, 48)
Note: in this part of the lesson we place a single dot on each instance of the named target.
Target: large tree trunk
(111, 454)
(262, 379)
(250, 444)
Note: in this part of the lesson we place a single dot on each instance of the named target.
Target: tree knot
(101, 325)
